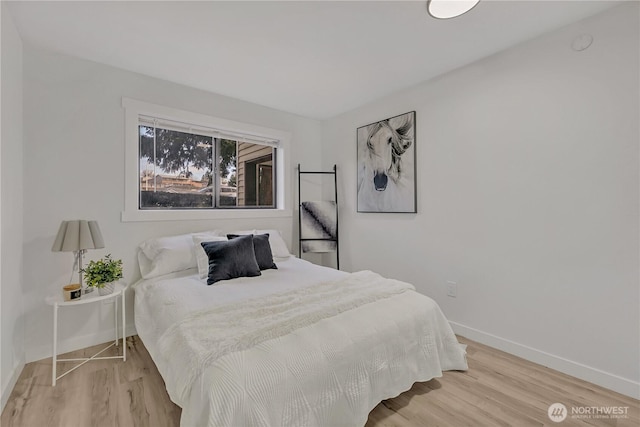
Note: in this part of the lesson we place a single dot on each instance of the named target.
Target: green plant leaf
(105, 270)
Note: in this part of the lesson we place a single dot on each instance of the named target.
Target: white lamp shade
(78, 235)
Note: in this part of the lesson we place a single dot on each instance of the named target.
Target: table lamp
(77, 236)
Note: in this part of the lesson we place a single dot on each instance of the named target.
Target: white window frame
(134, 109)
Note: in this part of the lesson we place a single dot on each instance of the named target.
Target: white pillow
(202, 260)
(145, 265)
(278, 246)
(166, 255)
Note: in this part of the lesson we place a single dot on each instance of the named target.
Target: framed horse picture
(387, 165)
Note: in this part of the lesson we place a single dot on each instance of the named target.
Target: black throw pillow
(262, 250)
(231, 259)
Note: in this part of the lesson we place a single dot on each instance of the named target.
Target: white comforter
(336, 363)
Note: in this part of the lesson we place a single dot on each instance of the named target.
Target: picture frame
(387, 165)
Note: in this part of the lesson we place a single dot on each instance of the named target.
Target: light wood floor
(497, 390)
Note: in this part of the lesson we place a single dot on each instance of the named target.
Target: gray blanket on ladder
(318, 221)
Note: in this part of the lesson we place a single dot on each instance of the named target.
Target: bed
(300, 345)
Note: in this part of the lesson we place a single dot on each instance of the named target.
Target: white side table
(58, 301)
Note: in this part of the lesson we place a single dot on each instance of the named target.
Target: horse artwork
(387, 165)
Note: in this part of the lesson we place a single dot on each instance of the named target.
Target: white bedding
(328, 372)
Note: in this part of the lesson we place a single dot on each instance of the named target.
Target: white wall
(528, 190)
(12, 352)
(74, 168)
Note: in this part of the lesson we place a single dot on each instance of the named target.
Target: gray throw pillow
(262, 250)
(231, 259)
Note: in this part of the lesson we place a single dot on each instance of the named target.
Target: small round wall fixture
(445, 9)
(582, 42)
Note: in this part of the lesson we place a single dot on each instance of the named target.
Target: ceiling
(315, 59)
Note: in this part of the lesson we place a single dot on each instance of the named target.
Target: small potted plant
(103, 273)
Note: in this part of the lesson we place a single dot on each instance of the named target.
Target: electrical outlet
(452, 289)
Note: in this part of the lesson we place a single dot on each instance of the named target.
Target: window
(189, 168)
(194, 170)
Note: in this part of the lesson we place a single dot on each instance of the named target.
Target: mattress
(330, 371)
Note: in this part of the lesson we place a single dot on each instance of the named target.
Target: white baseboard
(76, 343)
(605, 379)
(7, 388)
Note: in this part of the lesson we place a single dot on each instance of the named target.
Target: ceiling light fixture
(445, 9)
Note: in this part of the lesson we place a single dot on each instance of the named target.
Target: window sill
(191, 215)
